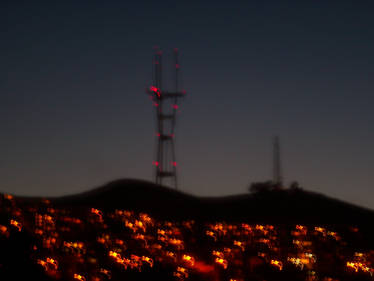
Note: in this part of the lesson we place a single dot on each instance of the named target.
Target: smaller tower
(277, 165)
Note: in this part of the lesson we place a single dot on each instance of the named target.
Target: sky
(74, 113)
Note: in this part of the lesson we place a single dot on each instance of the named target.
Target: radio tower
(166, 103)
(277, 168)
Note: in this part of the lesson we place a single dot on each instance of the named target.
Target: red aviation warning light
(155, 90)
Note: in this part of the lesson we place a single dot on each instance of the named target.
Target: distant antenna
(166, 104)
(277, 168)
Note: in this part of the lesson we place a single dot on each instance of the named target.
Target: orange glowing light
(8, 196)
(360, 265)
(3, 229)
(53, 262)
(181, 273)
(189, 260)
(277, 264)
(145, 218)
(148, 260)
(79, 277)
(176, 242)
(353, 265)
(171, 255)
(222, 262)
(42, 263)
(119, 242)
(50, 265)
(239, 244)
(211, 234)
(203, 267)
(16, 224)
(218, 254)
(98, 213)
(113, 254)
(320, 230)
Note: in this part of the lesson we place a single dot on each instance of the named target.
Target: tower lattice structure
(166, 104)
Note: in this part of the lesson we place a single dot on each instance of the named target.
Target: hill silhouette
(277, 206)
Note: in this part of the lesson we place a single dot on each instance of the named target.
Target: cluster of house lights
(92, 245)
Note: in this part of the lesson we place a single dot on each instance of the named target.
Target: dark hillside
(136, 195)
(279, 206)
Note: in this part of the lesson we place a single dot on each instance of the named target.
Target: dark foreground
(69, 240)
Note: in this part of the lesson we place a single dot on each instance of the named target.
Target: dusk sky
(74, 113)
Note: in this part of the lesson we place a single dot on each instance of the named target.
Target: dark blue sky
(74, 113)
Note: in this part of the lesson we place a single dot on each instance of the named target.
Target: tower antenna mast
(277, 165)
(166, 104)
